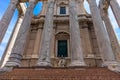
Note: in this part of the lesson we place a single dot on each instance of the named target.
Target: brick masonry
(60, 74)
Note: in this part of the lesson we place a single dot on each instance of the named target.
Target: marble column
(77, 58)
(37, 42)
(102, 35)
(11, 41)
(116, 10)
(45, 48)
(113, 39)
(112, 36)
(4, 23)
(17, 51)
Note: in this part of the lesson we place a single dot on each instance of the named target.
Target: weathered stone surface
(101, 34)
(45, 47)
(85, 37)
(62, 31)
(11, 41)
(21, 38)
(4, 23)
(37, 42)
(113, 38)
(76, 46)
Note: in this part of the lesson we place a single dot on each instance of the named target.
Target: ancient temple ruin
(62, 35)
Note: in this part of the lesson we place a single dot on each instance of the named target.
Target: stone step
(60, 74)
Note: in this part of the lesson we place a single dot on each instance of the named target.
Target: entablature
(59, 18)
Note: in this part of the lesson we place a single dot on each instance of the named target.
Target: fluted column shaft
(45, 48)
(4, 23)
(76, 46)
(116, 10)
(101, 34)
(17, 51)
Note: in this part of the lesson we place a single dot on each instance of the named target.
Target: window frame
(66, 46)
(64, 10)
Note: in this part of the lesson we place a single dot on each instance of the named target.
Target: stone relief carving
(62, 62)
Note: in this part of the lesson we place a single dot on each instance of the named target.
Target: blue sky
(4, 4)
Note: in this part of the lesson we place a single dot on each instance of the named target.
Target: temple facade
(62, 35)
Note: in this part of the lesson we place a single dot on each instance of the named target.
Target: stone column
(77, 58)
(17, 51)
(102, 35)
(11, 41)
(113, 39)
(4, 23)
(116, 10)
(44, 53)
(37, 42)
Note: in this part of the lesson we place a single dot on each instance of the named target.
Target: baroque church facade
(62, 35)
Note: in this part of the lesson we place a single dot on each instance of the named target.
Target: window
(62, 48)
(62, 10)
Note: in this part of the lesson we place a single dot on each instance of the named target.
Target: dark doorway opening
(62, 48)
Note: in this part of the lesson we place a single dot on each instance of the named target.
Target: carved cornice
(59, 19)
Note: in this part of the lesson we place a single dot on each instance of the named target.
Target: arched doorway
(62, 44)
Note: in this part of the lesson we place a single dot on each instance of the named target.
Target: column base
(112, 65)
(12, 64)
(44, 64)
(77, 64)
(5, 69)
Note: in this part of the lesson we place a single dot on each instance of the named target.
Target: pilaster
(86, 40)
(37, 42)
